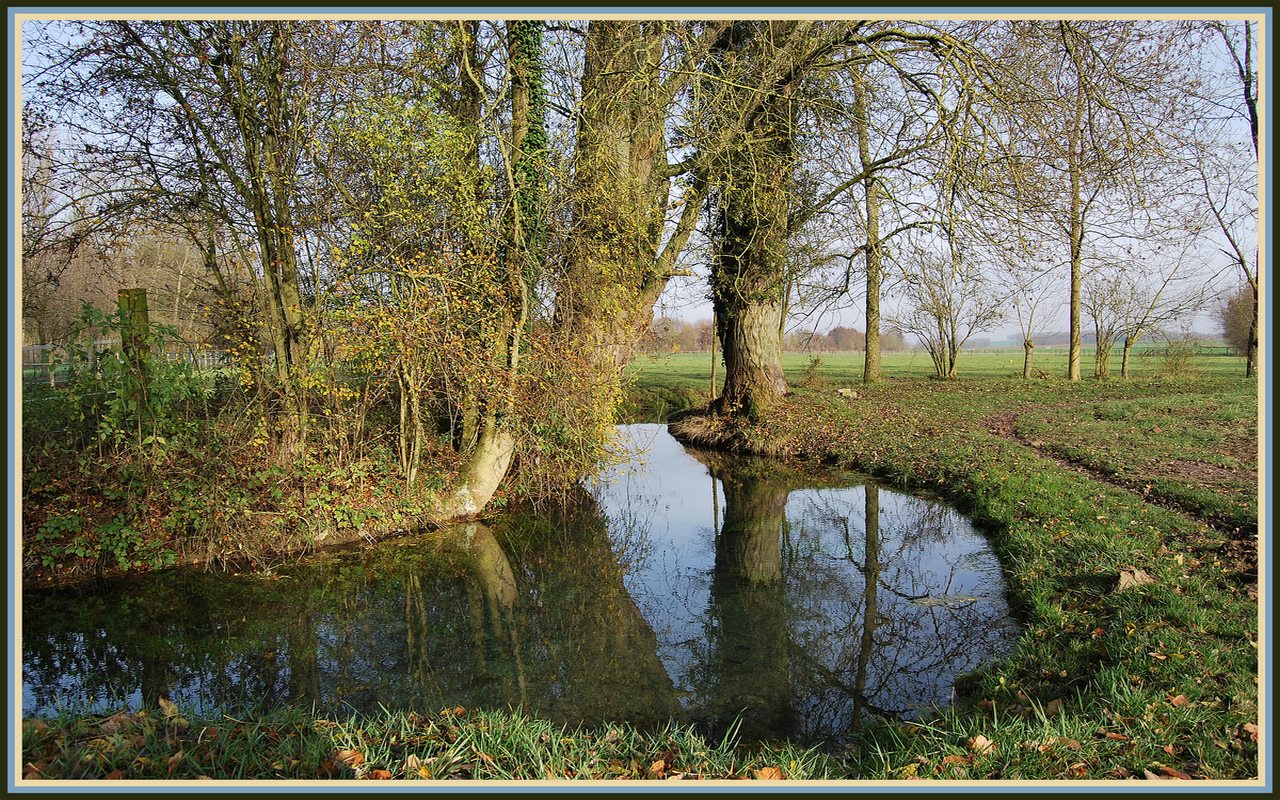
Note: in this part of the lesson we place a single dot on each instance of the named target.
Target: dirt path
(1239, 549)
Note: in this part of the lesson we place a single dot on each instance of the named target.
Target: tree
(1087, 112)
(750, 235)
(208, 119)
(1224, 162)
(950, 298)
(1236, 315)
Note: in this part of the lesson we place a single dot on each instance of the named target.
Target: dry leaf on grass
(349, 758)
(981, 745)
(768, 774)
(1133, 577)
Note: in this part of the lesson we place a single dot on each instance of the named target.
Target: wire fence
(47, 365)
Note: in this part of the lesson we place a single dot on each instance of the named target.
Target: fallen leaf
(115, 775)
(34, 772)
(327, 769)
(1252, 730)
(1168, 748)
(459, 711)
(380, 775)
(349, 758)
(953, 760)
(1119, 737)
(1180, 701)
(981, 745)
(657, 769)
(1133, 577)
(676, 776)
(1078, 770)
(174, 761)
(167, 706)
(34, 726)
(1176, 774)
(1158, 656)
(1052, 708)
(768, 774)
(115, 723)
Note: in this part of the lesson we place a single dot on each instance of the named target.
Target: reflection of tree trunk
(304, 671)
(754, 513)
(497, 584)
(871, 577)
(156, 673)
(749, 671)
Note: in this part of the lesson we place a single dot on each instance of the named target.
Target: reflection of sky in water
(939, 598)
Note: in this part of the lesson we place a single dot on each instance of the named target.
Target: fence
(46, 364)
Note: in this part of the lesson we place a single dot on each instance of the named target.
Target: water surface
(680, 585)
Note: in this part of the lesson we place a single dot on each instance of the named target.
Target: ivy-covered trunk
(749, 267)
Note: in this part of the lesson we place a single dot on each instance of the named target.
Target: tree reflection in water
(680, 589)
(818, 605)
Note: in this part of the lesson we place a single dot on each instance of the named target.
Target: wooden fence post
(135, 324)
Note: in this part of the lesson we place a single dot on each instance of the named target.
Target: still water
(680, 585)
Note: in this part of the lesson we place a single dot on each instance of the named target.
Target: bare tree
(950, 297)
(1089, 114)
(1224, 160)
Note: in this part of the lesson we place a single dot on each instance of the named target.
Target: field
(669, 382)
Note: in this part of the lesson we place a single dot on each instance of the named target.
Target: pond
(680, 585)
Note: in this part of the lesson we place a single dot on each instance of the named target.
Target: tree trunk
(875, 274)
(486, 467)
(748, 271)
(1124, 359)
(620, 192)
(1251, 354)
(1027, 347)
(135, 325)
(1076, 234)
(752, 359)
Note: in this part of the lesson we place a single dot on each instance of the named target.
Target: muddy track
(1241, 546)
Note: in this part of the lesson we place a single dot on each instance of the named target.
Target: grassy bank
(453, 744)
(1138, 596)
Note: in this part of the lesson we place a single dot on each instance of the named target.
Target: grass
(1153, 681)
(665, 383)
(452, 744)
